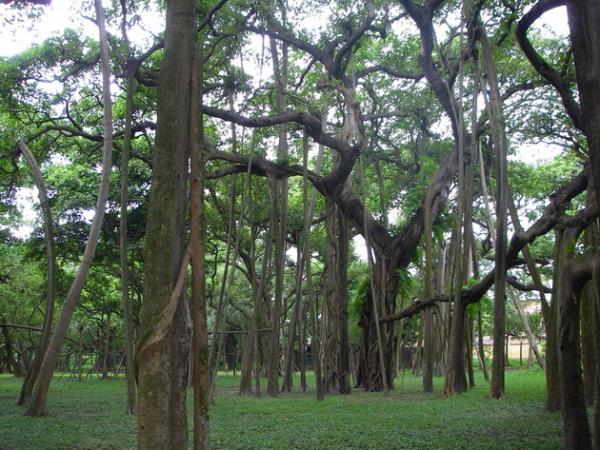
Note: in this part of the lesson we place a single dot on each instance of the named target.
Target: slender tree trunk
(497, 125)
(469, 351)
(480, 346)
(552, 384)
(106, 352)
(201, 375)
(213, 360)
(128, 326)
(39, 399)
(280, 70)
(427, 317)
(32, 374)
(289, 358)
(525, 321)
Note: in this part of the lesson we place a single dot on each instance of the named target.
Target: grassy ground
(90, 415)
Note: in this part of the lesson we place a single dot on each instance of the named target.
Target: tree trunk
(331, 339)
(371, 370)
(106, 351)
(525, 321)
(480, 347)
(32, 374)
(552, 385)
(281, 200)
(39, 399)
(573, 409)
(128, 326)
(162, 421)
(201, 375)
(10, 362)
(497, 124)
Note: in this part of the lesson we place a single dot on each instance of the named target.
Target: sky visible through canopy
(18, 36)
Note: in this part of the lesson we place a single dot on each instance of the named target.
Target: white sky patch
(554, 22)
(26, 198)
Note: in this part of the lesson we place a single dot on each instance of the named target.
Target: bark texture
(162, 420)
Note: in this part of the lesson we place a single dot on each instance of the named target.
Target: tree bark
(499, 141)
(128, 326)
(281, 229)
(32, 374)
(552, 384)
(525, 321)
(39, 400)
(573, 277)
(162, 421)
(201, 375)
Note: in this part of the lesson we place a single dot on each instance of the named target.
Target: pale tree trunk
(213, 359)
(162, 421)
(39, 399)
(525, 321)
(32, 374)
(123, 242)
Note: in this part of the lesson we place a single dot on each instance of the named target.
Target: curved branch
(550, 218)
(540, 64)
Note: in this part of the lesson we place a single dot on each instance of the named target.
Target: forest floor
(90, 415)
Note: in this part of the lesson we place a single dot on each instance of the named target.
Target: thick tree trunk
(573, 409)
(370, 370)
(162, 421)
(39, 399)
(454, 382)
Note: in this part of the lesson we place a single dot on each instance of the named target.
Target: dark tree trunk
(344, 386)
(370, 370)
(162, 421)
(588, 352)
(573, 409)
(552, 384)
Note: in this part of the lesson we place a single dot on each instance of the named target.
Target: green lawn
(90, 415)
